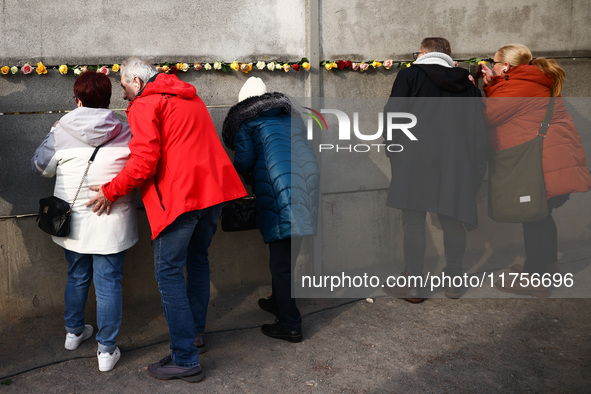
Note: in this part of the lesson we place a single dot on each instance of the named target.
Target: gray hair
(136, 67)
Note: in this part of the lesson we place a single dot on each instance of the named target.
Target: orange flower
(246, 67)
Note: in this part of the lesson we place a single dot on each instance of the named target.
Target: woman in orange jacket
(525, 84)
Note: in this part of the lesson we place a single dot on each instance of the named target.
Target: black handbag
(55, 214)
(517, 191)
(240, 215)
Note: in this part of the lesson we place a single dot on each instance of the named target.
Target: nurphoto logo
(403, 121)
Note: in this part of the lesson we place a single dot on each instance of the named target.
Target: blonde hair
(516, 54)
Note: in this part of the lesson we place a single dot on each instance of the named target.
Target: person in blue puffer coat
(272, 153)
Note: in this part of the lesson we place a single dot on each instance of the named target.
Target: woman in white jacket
(96, 246)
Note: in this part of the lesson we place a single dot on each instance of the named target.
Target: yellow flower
(115, 68)
(179, 66)
(328, 66)
(306, 65)
(234, 66)
(334, 65)
(63, 69)
(246, 67)
(286, 67)
(5, 70)
(376, 64)
(165, 69)
(41, 69)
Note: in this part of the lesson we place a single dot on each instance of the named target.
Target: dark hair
(436, 44)
(93, 89)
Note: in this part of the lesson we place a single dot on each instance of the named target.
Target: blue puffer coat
(269, 138)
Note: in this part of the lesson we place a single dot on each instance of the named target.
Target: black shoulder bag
(55, 214)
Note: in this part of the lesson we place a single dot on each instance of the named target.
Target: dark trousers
(454, 242)
(281, 254)
(541, 240)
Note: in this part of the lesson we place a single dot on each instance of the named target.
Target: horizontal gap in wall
(69, 110)
(31, 215)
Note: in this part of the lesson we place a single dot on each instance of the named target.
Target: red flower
(340, 64)
(296, 67)
(172, 70)
(348, 64)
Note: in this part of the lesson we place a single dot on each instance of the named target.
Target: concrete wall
(32, 268)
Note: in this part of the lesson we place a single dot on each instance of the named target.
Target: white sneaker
(107, 361)
(73, 341)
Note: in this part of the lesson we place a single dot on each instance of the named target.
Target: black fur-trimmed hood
(250, 109)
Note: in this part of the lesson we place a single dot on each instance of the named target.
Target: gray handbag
(516, 190)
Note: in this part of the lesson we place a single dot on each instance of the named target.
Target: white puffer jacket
(65, 153)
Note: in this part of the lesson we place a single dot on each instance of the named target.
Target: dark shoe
(517, 288)
(408, 293)
(518, 268)
(278, 332)
(200, 343)
(455, 292)
(268, 305)
(166, 369)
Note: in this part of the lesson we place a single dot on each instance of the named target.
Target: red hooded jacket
(177, 158)
(516, 106)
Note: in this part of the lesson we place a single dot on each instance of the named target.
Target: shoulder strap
(85, 173)
(545, 125)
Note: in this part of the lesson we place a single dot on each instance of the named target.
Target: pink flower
(27, 69)
(104, 70)
(387, 64)
(363, 66)
(354, 66)
(83, 69)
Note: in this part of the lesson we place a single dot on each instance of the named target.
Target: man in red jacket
(184, 174)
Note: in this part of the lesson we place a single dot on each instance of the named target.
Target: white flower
(261, 65)
(271, 66)
(77, 71)
(207, 66)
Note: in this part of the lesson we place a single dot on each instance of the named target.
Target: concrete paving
(380, 345)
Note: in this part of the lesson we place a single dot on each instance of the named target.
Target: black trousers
(454, 242)
(541, 240)
(281, 254)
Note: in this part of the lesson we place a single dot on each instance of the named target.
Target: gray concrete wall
(32, 268)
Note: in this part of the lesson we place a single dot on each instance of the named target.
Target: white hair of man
(136, 67)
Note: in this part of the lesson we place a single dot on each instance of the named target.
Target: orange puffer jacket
(515, 108)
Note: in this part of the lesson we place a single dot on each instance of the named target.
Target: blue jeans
(107, 272)
(185, 243)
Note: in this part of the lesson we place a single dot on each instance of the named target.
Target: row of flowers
(169, 68)
(335, 65)
(338, 65)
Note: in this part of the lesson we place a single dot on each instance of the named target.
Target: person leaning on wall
(185, 176)
(442, 171)
(269, 138)
(515, 73)
(96, 246)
